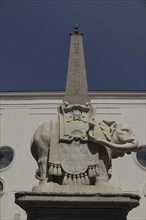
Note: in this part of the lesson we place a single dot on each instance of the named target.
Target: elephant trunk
(126, 147)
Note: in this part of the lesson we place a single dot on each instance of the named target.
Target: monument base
(49, 206)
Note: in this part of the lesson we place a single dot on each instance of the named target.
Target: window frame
(137, 161)
(3, 183)
(10, 164)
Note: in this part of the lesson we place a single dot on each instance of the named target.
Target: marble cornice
(60, 94)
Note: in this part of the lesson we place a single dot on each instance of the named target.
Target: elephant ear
(106, 128)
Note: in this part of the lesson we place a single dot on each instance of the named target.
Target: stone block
(54, 206)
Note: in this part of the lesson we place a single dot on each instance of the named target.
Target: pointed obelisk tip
(76, 31)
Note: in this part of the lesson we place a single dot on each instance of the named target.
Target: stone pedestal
(54, 206)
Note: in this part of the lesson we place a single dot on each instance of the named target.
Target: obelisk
(76, 86)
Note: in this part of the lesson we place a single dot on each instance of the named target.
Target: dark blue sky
(35, 43)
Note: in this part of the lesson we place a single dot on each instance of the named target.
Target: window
(141, 156)
(6, 156)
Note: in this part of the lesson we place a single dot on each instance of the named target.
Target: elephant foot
(105, 187)
(43, 181)
(45, 186)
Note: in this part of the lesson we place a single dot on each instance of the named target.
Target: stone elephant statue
(120, 138)
(106, 140)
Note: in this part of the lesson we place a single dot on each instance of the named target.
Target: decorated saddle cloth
(73, 157)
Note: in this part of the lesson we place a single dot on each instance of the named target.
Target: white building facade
(23, 112)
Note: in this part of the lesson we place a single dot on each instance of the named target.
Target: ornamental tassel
(97, 169)
(55, 170)
(94, 171)
(78, 180)
(69, 180)
(59, 171)
(90, 173)
(65, 179)
(51, 169)
(82, 179)
(87, 182)
(74, 180)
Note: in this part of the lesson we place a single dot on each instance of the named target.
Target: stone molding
(60, 94)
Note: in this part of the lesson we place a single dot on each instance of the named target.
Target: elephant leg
(43, 161)
(42, 164)
(102, 181)
(102, 176)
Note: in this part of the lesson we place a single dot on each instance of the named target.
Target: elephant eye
(124, 129)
